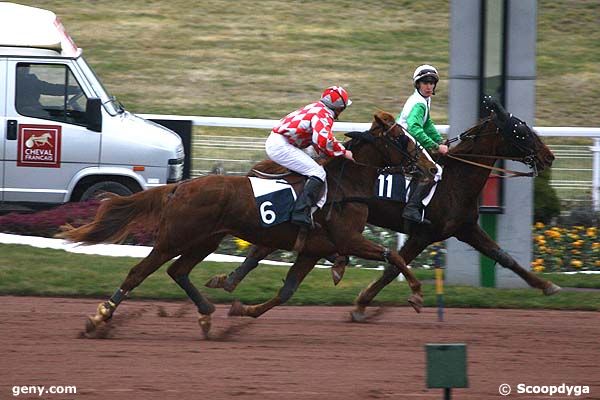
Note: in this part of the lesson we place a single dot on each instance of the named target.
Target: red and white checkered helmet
(335, 97)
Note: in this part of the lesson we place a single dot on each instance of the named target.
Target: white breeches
(295, 159)
(438, 175)
(436, 178)
(287, 155)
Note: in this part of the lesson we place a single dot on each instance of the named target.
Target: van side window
(49, 91)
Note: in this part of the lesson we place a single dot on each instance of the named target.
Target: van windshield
(111, 104)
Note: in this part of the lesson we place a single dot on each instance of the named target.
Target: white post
(401, 240)
(596, 174)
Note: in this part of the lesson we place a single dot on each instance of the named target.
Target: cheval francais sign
(39, 146)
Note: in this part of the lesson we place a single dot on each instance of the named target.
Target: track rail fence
(575, 173)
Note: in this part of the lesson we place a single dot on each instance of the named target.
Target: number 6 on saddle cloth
(274, 200)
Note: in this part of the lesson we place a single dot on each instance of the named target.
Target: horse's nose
(549, 158)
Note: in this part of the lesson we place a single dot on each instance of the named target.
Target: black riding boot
(413, 211)
(308, 199)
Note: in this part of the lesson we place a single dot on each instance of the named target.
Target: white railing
(267, 124)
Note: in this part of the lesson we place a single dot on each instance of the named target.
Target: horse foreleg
(409, 251)
(134, 278)
(296, 274)
(230, 282)
(480, 241)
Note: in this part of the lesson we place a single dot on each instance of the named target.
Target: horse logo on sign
(39, 146)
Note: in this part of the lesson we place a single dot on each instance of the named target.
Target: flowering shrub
(556, 248)
(387, 238)
(47, 223)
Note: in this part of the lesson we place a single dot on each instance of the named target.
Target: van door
(48, 102)
(2, 124)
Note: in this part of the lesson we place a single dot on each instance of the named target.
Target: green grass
(31, 271)
(262, 59)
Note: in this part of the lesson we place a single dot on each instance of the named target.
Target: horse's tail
(117, 216)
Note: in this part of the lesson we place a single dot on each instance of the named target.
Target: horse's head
(392, 147)
(519, 141)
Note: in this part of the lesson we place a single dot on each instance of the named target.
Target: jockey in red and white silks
(309, 126)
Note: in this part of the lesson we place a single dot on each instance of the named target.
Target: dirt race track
(156, 351)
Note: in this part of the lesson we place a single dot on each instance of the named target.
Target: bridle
(511, 132)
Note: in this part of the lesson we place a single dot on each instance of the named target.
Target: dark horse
(191, 218)
(453, 210)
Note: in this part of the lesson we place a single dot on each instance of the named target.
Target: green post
(487, 266)
(446, 366)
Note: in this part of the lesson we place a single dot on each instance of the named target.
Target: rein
(513, 174)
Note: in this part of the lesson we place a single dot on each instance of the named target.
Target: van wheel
(97, 190)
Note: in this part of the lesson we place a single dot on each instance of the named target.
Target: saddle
(268, 169)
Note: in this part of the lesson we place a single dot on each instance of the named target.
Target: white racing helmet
(423, 71)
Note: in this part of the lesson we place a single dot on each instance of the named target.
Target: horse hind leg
(296, 274)
(134, 278)
(179, 271)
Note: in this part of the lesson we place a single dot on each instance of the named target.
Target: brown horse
(191, 219)
(453, 210)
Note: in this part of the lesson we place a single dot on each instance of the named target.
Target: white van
(62, 136)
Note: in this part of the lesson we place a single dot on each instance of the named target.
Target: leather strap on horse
(512, 173)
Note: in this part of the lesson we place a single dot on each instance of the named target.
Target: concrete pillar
(514, 225)
(462, 261)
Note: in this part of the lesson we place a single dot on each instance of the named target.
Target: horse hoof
(205, 323)
(229, 286)
(216, 282)
(416, 301)
(237, 309)
(337, 273)
(552, 289)
(92, 323)
(358, 316)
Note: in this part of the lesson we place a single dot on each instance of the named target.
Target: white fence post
(596, 174)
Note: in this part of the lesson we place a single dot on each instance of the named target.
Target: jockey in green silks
(415, 118)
